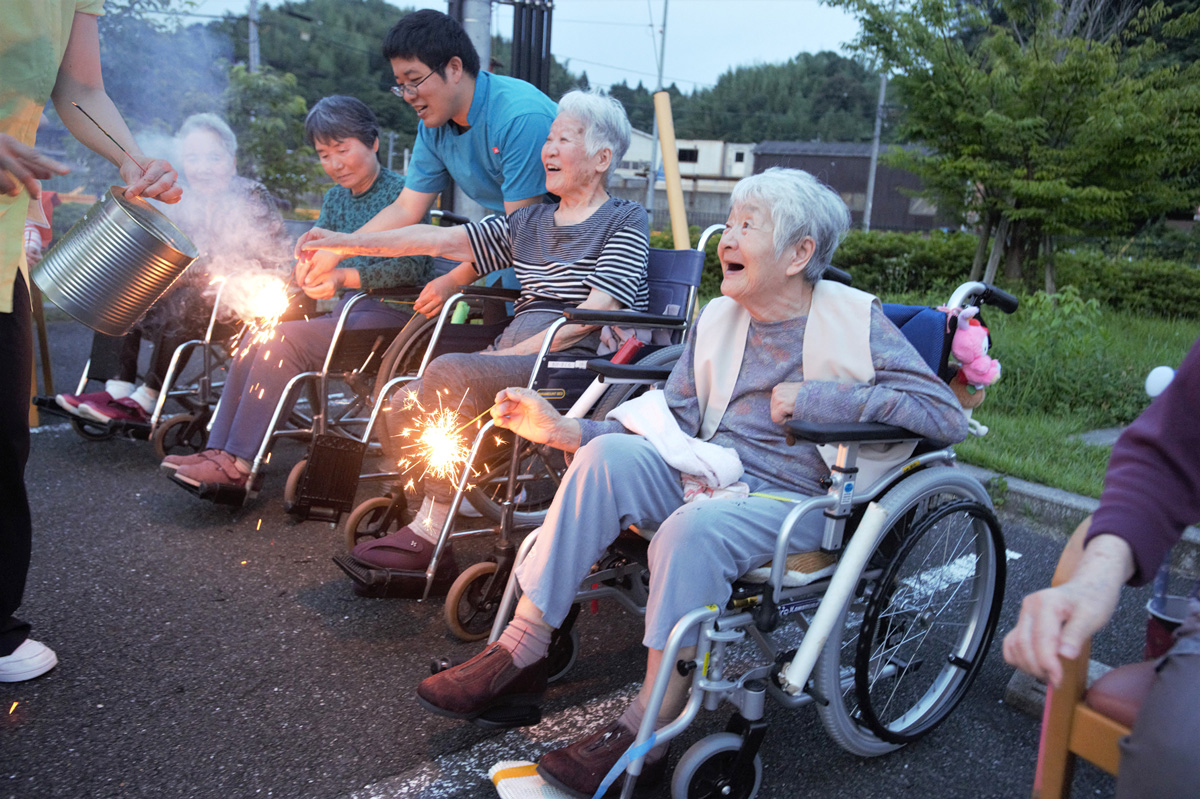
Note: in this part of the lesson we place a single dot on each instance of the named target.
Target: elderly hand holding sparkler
(529, 415)
(448, 242)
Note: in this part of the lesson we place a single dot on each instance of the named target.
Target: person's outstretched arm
(79, 81)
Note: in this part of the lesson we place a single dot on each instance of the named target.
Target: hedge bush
(889, 264)
(1145, 286)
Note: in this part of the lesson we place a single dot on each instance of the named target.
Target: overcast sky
(615, 40)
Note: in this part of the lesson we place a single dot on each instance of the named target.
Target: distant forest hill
(811, 97)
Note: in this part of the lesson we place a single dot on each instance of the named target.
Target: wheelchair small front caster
(710, 768)
(441, 664)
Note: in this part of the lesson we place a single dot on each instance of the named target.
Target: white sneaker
(31, 659)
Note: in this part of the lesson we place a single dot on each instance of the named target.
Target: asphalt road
(206, 652)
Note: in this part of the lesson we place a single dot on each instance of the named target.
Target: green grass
(1037, 447)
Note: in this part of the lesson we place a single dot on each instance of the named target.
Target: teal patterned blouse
(344, 212)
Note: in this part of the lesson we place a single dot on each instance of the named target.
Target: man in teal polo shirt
(485, 132)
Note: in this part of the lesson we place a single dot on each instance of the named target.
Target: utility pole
(391, 147)
(874, 152)
(652, 177)
(253, 36)
(477, 22)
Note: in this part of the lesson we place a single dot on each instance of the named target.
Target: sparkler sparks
(269, 300)
(437, 438)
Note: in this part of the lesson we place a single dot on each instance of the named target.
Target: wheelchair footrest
(330, 478)
(394, 583)
(221, 494)
(504, 718)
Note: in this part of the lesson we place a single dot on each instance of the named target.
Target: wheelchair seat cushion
(802, 568)
(1119, 694)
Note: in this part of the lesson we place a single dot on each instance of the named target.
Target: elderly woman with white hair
(226, 216)
(780, 344)
(588, 250)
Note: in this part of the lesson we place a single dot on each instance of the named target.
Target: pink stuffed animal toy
(970, 347)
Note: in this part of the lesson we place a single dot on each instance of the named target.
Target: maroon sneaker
(402, 550)
(579, 769)
(217, 468)
(71, 402)
(173, 462)
(485, 682)
(121, 410)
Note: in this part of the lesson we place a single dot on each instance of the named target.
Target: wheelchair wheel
(179, 435)
(620, 392)
(930, 622)
(472, 602)
(291, 487)
(371, 519)
(564, 651)
(707, 770)
(542, 468)
(92, 431)
(909, 644)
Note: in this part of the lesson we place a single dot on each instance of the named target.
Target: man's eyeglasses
(410, 89)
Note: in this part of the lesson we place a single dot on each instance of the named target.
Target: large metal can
(114, 263)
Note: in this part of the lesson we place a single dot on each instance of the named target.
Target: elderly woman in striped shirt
(589, 250)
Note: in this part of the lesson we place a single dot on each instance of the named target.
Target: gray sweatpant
(698, 548)
(1159, 758)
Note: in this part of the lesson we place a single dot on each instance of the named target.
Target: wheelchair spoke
(912, 643)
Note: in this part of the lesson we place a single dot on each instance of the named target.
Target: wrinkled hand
(154, 177)
(1056, 622)
(317, 239)
(434, 296)
(23, 166)
(528, 414)
(326, 284)
(315, 269)
(783, 401)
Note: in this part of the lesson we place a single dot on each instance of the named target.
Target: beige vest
(837, 347)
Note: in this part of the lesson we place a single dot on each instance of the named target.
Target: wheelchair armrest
(630, 318)
(490, 293)
(629, 371)
(394, 291)
(840, 433)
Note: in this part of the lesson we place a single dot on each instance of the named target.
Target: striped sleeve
(621, 268)
(491, 244)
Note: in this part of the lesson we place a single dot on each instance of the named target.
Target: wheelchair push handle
(977, 293)
(449, 218)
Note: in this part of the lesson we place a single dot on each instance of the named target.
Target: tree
(267, 114)
(1042, 118)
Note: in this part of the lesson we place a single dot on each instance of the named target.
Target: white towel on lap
(708, 470)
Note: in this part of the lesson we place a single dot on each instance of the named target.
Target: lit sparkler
(437, 439)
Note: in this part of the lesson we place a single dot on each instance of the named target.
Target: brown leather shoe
(579, 768)
(487, 681)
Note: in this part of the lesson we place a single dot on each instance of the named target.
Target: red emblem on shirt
(496, 150)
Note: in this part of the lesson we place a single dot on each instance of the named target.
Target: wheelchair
(510, 483)
(178, 433)
(883, 628)
(329, 403)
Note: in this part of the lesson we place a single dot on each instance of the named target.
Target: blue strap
(631, 754)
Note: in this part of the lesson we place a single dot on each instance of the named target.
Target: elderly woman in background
(346, 137)
(226, 216)
(760, 355)
(589, 250)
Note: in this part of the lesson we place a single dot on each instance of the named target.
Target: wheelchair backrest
(925, 329)
(674, 278)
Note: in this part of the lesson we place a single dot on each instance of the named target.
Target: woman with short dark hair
(346, 137)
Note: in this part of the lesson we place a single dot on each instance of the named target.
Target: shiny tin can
(114, 263)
